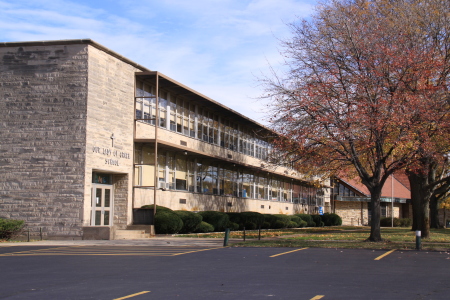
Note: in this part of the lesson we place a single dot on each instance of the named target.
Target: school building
(88, 137)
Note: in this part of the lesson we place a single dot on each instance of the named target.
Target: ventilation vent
(183, 143)
(230, 156)
(262, 206)
(229, 204)
(183, 201)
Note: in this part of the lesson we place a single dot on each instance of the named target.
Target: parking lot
(212, 272)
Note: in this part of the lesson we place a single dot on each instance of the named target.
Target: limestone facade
(68, 140)
(44, 92)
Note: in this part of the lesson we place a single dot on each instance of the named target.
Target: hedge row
(10, 228)
(168, 221)
(387, 222)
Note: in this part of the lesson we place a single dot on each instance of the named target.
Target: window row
(176, 171)
(179, 115)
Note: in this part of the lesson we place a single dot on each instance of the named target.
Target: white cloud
(213, 46)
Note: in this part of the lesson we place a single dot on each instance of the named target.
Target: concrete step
(146, 228)
(131, 234)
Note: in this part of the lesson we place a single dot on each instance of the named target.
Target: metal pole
(227, 234)
(418, 240)
(259, 232)
(155, 188)
(392, 200)
(244, 233)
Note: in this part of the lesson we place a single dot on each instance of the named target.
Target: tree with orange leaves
(362, 95)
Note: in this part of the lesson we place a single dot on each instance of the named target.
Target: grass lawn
(338, 237)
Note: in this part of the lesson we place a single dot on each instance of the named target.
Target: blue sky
(217, 47)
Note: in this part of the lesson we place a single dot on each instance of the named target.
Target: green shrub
(278, 224)
(387, 222)
(204, 227)
(10, 228)
(331, 219)
(265, 225)
(217, 219)
(158, 208)
(190, 220)
(270, 219)
(250, 226)
(167, 222)
(292, 224)
(233, 226)
(283, 218)
(308, 219)
(234, 217)
(318, 220)
(299, 221)
(252, 217)
(405, 222)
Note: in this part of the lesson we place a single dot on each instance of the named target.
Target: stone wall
(42, 132)
(121, 193)
(109, 130)
(179, 200)
(352, 213)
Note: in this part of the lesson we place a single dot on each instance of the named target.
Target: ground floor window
(178, 171)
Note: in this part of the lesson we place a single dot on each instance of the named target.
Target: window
(181, 174)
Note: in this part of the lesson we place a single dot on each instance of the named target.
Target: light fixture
(185, 152)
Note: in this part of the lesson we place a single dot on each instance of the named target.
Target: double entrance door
(102, 205)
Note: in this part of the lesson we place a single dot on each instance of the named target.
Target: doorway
(102, 205)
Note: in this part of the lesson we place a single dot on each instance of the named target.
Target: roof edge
(75, 42)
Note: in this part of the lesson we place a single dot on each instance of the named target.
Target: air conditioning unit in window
(162, 185)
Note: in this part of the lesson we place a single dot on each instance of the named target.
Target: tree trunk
(375, 232)
(434, 213)
(420, 199)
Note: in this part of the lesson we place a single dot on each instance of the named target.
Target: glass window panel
(185, 126)
(101, 178)
(106, 218)
(98, 197)
(98, 217)
(107, 197)
(148, 91)
(199, 177)
(192, 129)
(173, 125)
(162, 167)
(179, 123)
(209, 180)
(181, 174)
(191, 182)
(173, 104)
(139, 107)
(139, 89)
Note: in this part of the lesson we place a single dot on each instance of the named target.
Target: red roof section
(391, 188)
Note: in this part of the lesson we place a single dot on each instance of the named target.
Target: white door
(102, 205)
